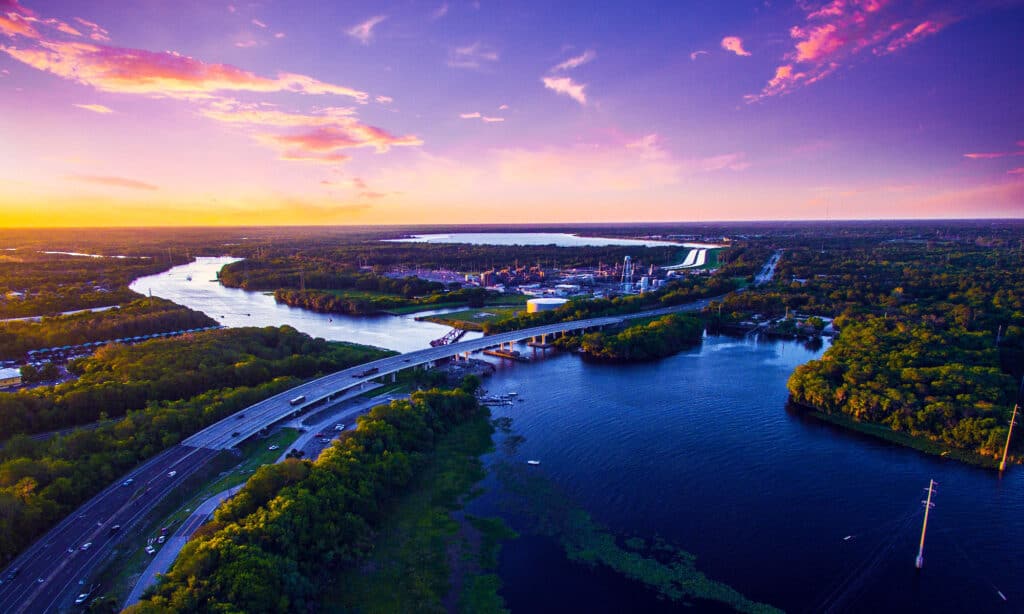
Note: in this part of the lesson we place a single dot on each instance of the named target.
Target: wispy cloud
(993, 154)
(95, 108)
(733, 44)
(474, 55)
(279, 35)
(246, 44)
(481, 117)
(1016, 171)
(576, 61)
(567, 87)
(503, 107)
(697, 54)
(259, 24)
(835, 32)
(363, 32)
(111, 181)
(440, 11)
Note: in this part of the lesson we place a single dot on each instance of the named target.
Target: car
(339, 427)
(72, 548)
(81, 598)
(235, 434)
(150, 550)
(240, 417)
(163, 530)
(161, 539)
(115, 528)
(12, 573)
(320, 434)
(85, 546)
(274, 447)
(171, 474)
(128, 482)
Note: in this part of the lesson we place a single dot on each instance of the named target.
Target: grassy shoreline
(881, 431)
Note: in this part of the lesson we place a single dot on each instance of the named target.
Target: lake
(700, 449)
(560, 239)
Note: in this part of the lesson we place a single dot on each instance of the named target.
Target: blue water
(700, 449)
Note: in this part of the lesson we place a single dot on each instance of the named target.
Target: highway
(57, 558)
(50, 570)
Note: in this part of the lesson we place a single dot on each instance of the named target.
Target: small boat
(512, 394)
(848, 538)
(533, 462)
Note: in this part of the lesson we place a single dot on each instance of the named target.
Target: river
(700, 450)
(195, 286)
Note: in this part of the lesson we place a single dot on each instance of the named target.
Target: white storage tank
(544, 304)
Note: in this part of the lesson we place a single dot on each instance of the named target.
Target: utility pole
(1006, 448)
(919, 563)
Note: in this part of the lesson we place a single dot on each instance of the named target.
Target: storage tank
(544, 304)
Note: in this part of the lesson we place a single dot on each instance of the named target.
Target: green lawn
(507, 299)
(473, 319)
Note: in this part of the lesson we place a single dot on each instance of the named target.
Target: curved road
(47, 575)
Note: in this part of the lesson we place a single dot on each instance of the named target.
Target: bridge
(234, 429)
(45, 577)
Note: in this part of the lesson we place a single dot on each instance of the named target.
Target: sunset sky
(118, 113)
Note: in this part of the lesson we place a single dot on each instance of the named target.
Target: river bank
(884, 433)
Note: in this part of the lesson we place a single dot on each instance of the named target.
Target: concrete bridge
(238, 427)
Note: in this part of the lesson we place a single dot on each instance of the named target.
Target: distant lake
(561, 239)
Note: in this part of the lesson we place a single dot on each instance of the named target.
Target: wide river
(701, 450)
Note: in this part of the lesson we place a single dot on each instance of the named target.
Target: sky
(183, 113)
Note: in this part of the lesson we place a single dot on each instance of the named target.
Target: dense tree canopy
(275, 546)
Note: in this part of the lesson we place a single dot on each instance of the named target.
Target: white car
(161, 539)
(171, 474)
(274, 447)
(339, 427)
(86, 545)
(150, 550)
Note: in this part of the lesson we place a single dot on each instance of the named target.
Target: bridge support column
(394, 376)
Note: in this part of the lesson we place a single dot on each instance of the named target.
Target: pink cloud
(733, 44)
(97, 33)
(1016, 171)
(246, 44)
(835, 32)
(491, 120)
(473, 115)
(363, 32)
(384, 99)
(575, 62)
(259, 24)
(137, 71)
(15, 20)
(567, 87)
(697, 54)
(993, 155)
(95, 108)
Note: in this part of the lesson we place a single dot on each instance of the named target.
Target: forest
(119, 378)
(931, 341)
(164, 389)
(139, 317)
(277, 545)
(659, 338)
(361, 304)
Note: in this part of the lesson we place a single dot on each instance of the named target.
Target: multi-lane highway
(53, 571)
(46, 577)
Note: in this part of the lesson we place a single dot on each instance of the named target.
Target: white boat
(533, 462)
